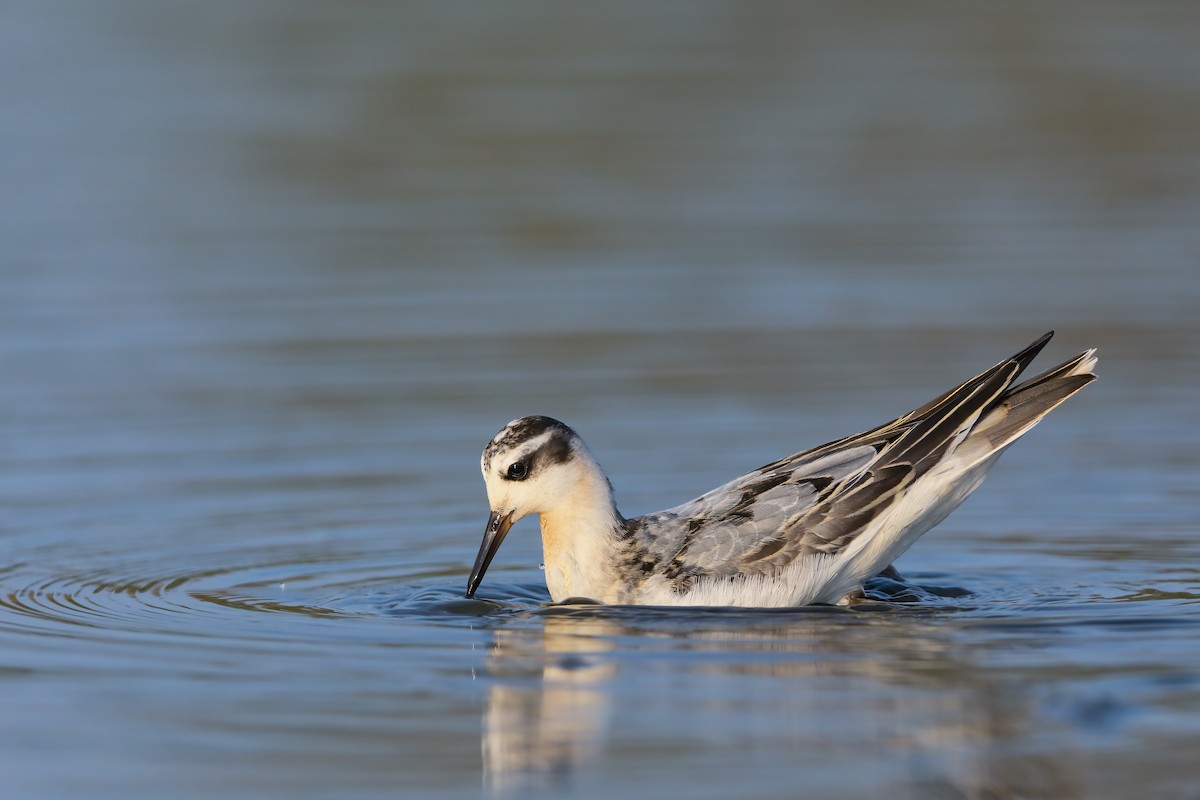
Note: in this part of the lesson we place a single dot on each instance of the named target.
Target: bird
(807, 529)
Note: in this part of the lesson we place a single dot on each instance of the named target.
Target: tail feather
(962, 407)
(1023, 406)
(1082, 364)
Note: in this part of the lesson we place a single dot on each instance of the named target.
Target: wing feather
(820, 500)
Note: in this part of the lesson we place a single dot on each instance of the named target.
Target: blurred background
(271, 273)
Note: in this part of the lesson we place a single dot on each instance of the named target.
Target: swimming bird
(809, 528)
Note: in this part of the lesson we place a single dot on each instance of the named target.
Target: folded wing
(821, 500)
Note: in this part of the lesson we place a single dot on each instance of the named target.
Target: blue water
(274, 273)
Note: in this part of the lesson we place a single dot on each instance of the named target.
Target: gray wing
(816, 501)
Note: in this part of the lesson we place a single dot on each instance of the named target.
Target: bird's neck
(579, 535)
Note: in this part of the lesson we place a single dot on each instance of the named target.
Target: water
(274, 273)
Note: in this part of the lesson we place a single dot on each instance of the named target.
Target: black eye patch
(517, 471)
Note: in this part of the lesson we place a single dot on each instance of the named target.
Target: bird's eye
(518, 471)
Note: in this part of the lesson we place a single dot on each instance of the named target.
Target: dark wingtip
(1027, 355)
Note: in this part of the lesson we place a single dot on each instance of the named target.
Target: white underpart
(814, 579)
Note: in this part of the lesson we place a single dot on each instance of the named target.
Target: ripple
(216, 600)
(268, 594)
(274, 594)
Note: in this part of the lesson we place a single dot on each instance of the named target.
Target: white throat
(579, 535)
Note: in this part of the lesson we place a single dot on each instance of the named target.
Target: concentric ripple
(268, 594)
(263, 596)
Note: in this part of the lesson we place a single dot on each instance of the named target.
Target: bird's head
(529, 466)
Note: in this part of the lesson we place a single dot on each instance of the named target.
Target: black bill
(497, 526)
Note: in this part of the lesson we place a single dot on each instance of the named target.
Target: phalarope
(809, 528)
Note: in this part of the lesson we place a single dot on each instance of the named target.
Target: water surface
(273, 274)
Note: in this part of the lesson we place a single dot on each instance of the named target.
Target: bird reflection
(887, 697)
(549, 714)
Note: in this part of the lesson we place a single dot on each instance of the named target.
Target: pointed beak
(497, 527)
